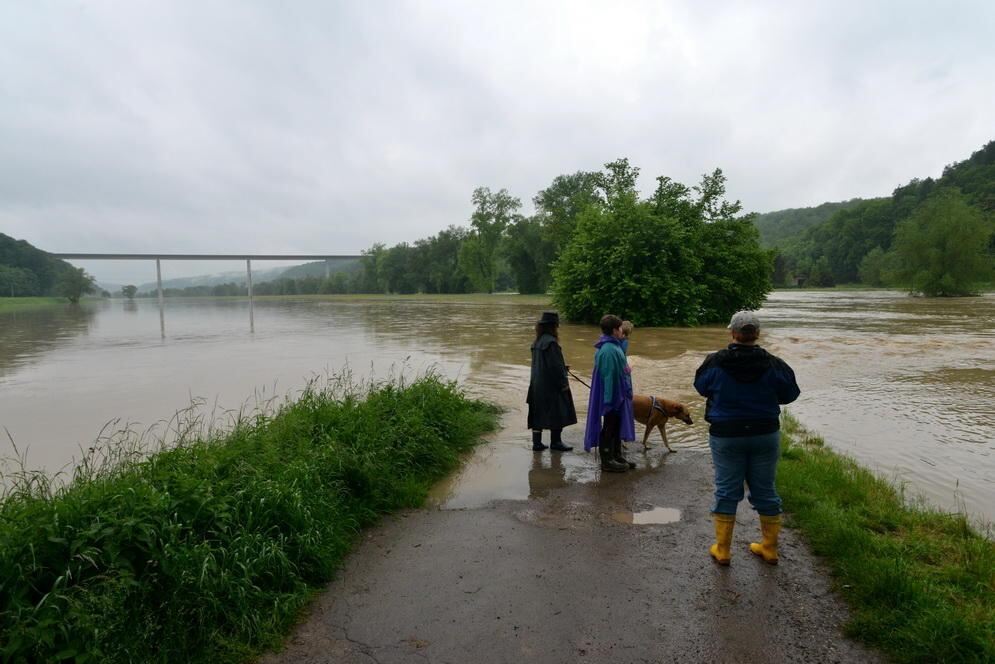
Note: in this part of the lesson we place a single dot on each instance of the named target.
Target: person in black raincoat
(551, 405)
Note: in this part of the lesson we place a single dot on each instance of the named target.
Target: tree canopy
(940, 250)
(74, 283)
(680, 257)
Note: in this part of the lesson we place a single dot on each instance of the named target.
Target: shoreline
(920, 582)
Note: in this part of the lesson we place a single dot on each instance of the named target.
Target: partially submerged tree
(129, 291)
(941, 249)
(74, 283)
(681, 257)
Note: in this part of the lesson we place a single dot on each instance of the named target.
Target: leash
(578, 378)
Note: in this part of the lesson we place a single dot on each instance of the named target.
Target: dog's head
(680, 411)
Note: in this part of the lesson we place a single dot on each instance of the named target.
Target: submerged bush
(681, 257)
(208, 550)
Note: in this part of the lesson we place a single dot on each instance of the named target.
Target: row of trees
(682, 256)
(501, 249)
(932, 236)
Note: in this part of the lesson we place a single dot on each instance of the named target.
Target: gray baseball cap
(742, 319)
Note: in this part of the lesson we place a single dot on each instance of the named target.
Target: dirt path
(559, 578)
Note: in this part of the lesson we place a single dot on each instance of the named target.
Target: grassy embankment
(920, 582)
(207, 551)
(18, 303)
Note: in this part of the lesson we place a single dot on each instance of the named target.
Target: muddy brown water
(905, 385)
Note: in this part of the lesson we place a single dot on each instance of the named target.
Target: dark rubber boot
(537, 445)
(619, 458)
(608, 463)
(556, 443)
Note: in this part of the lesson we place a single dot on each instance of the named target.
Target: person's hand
(567, 366)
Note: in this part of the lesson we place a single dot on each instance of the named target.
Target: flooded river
(905, 385)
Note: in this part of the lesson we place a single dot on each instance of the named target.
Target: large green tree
(941, 249)
(441, 258)
(559, 205)
(529, 255)
(399, 270)
(368, 278)
(492, 214)
(74, 283)
(681, 257)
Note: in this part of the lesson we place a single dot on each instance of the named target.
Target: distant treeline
(338, 282)
(933, 236)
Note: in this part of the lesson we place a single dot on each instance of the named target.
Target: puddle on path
(646, 517)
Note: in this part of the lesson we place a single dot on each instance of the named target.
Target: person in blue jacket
(744, 386)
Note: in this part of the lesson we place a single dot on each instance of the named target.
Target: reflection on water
(27, 335)
(904, 384)
(655, 515)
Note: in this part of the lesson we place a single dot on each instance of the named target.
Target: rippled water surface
(906, 385)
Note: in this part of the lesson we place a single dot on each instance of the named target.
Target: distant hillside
(260, 275)
(26, 270)
(317, 268)
(778, 227)
(227, 277)
(833, 250)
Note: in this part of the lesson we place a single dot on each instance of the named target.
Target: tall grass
(207, 550)
(920, 582)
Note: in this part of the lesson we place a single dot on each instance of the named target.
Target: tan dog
(653, 412)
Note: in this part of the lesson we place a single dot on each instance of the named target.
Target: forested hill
(851, 245)
(26, 270)
(778, 227)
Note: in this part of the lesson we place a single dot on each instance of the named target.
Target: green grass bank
(207, 551)
(20, 303)
(920, 582)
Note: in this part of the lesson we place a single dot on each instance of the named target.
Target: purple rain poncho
(611, 390)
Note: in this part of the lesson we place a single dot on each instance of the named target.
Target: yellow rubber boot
(770, 528)
(724, 524)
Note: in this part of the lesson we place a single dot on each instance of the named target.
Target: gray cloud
(293, 127)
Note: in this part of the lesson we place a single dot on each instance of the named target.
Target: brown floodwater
(905, 385)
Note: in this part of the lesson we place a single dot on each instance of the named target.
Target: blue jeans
(750, 459)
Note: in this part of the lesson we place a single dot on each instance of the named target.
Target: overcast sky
(322, 127)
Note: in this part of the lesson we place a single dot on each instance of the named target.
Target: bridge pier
(158, 280)
(248, 275)
(158, 258)
(158, 284)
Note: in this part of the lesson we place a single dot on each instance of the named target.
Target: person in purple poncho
(609, 410)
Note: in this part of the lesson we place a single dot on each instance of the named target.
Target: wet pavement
(559, 577)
